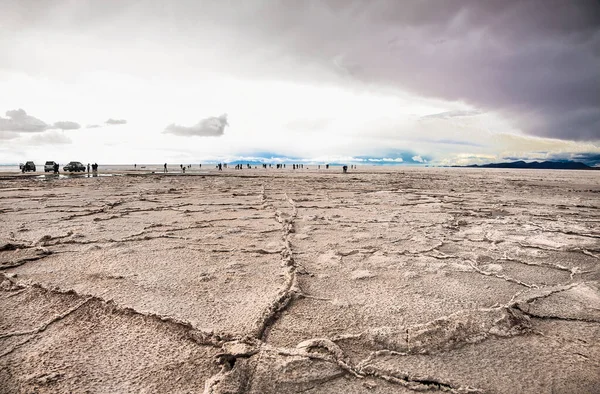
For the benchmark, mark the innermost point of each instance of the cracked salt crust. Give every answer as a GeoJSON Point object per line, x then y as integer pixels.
{"type": "Point", "coordinates": [267, 281]}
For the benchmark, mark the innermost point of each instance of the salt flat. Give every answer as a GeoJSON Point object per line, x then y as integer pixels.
{"type": "Point", "coordinates": [381, 280]}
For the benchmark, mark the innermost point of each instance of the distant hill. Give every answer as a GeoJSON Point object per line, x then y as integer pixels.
{"type": "Point", "coordinates": [544, 165]}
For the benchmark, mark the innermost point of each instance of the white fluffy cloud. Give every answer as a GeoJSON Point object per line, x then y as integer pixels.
{"type": "Point", "coordinates": [418, 159]}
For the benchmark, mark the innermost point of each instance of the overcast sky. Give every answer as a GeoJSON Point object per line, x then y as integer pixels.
{"type": "Point", "coordinates": [437, 82]}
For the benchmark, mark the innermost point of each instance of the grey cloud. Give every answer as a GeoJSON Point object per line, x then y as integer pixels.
{"type": "Point", "coordinates": [65, 125]}
{"type": "Point", "coordinates": [453, 114]}
{"type": "Point", "coordinates": [209, 127]}
{"type": "Point", "coordinates": [455, 142]}
{"type": "Point", "coordinates": [8, 135]}
{"type": "Point", "coordinates": [50, 138]}
{"type": "Point", "coordinates": [92, 126]}
{"type": "Point", "coordinates": [115, 121]}
{"type": "Point", "coordinates": [18, 121]}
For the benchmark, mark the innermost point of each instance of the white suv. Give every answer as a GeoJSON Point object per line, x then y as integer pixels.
{"type": "Point", "coordinates": [49, 166]}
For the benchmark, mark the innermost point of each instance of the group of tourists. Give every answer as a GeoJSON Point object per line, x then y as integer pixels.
{"type": "Point", "coordinates": [241, 166]}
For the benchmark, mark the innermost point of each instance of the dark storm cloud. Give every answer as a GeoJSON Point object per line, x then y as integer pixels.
{"type": "Point", "coordinates": [115, 121]}
{"type": "Point", "coordinates": [535, 61]}
{"type": "Point", "coordinates": [209, 127]}
{"type": "Point", "coordinates": [591, 159]}
{"type": "Point", "coordinates": [19, 121]}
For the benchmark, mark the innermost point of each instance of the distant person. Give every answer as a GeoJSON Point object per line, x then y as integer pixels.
{"type": "Point", "coordinates": [134, 166]}
{"type": "Point", "coordinates": [199, 165]}
{"type": "Point", "coordinates": [220, 167]}
{"type": "Point", "coordinates": [165, 170]}
{"type": "Point", "coordinates": [56, 168]}
{"type": "Point", "coordinates": [95, 167]}
{"type": "Point", "coordinates": [345, 169]}
{"type": "Point", "coordinates": [88, 168]}
{"type": "Point", "coordinates": [183, 169]}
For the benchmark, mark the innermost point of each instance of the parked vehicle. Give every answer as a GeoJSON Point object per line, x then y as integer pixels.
{"type": "Point", "coordinates": [74, 166]}
{"type": "Point", "coordinates": [29, 166]}
{"type": "Point", "coordinates": [49, 166]}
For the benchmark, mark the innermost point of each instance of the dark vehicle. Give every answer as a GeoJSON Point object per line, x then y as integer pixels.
{"type": "Point", "coordinates": [29, 166]}
{"type": "Point", "coordinates": [49, 166]}
{"type": "Point", "coordinates": [74, 166]}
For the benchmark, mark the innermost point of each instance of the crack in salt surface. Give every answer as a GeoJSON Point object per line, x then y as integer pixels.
{"type": "Point", "coordinates": [291, 288]}
{"type": "Point", "coordinates": [506, 278]}
{"type": "Point", "coordinates": [201, 337]}
{"type": "Point", "coordinates": [333, 353]}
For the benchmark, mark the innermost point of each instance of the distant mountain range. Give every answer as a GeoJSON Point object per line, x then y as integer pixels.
{"type": "Point", "coordinates": [544, 165]}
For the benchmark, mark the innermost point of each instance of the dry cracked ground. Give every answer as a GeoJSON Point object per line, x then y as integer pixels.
{"type": "Point", "coordinates": [265, 281]}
